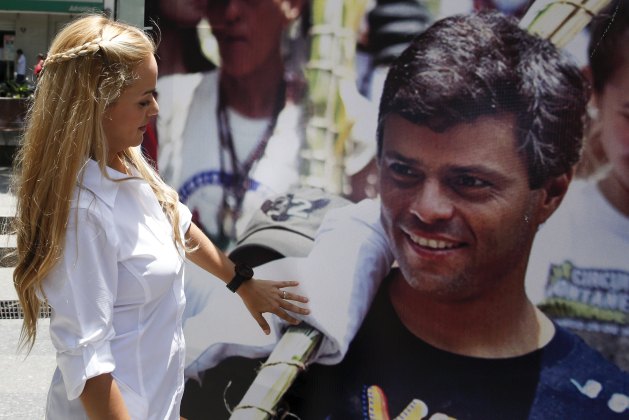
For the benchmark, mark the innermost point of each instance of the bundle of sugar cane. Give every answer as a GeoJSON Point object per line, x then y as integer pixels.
{"type": "Point", "coordinates": [560, 21]}
{"type": "Point", "coordinates": [333, 37]}
{"type": "Point", "coordinates": [289, 357]}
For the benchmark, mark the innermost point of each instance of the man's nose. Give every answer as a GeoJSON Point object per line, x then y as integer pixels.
{"type": "Point", "coordinates": [233, 9]}
{"type": "Point", "coordinates": [431, 203]}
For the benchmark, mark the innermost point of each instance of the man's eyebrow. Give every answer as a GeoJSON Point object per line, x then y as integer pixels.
{"type": "Point", "coordinates": [392, 154]}
{"type": "Point", "coordinates": [482, 170]}
{"type": "Point", "coordinates": [472, 168]}
{"type": "Point", "coordinates": [151, 91]}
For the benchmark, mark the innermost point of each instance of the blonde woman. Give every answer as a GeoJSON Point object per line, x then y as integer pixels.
{"type": "Point", "coordinates": [102, 239]}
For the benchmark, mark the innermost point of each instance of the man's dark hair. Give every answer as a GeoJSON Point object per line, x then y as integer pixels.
{"type": "Point", "coordinates": [19, 51]}
{"type": "Point", "coordinates": [609, 31]}
{"type": "Point", "coordinates": [467, 66]}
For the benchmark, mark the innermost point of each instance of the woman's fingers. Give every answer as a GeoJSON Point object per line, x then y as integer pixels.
{"type": "Point", "coordinates": [262, 322]}
{"type": "Point", "coordinates": [293, 296]}
{"type": "Point", "coordinates": [288, 295]}
{"type": "Point", "coordinates": [286, 317]}
{"type": "Point", "coordinates": [293, 308]}
{"type": "Point", "coordinates": [270, 298]}
{"type": "Point", "coordinates": [285, 296]}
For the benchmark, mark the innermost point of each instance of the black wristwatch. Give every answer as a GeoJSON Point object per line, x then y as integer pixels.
{"type": "Point", "coordinates": [243, 273]}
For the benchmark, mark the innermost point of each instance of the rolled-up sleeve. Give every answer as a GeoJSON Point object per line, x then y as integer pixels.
{"type": "Point", "coordinates": [82, 290]}
{"type": "Point", "coordinates": [185, 218]}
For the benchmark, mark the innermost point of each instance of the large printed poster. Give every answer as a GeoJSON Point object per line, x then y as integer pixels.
{"type": "Point", "coordinates": [271, 118]}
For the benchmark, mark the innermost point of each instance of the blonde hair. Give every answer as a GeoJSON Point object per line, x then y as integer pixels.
{"type": "Point", "coordinates": [90, 62]}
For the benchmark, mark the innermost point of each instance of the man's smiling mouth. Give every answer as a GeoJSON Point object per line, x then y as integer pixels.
{"type": "Point", "coordinates": [431, 243]}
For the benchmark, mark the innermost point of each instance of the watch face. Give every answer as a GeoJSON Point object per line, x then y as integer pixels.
{"type": "Point", "coordinates": [244, 271]}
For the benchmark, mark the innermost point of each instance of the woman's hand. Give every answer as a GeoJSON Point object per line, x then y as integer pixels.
{"type": "Point", "coordinates": [262, 296]}
{"type": "Point", "coordinates": [259, 295]}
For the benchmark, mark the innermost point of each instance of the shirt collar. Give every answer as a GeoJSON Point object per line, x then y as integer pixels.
{"type": "Point", "coordinates": [104, 188]}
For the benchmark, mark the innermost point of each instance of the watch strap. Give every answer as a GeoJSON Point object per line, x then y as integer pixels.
{"type": "Point", "coordinates": [239, 278]}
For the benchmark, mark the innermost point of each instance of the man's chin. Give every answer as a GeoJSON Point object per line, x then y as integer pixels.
{"type": "Point", "coordinates": [434, 283]}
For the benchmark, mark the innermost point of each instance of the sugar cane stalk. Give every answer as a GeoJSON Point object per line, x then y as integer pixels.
{"type": "Point", "coordinates": [289, 357]}
{"type": "Point", "coordinates": [560, 21]}
{"type": "Point", "coordinates": [333, 48]}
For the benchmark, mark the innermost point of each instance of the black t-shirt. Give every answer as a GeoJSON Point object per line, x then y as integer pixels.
{"type": "Point", "coordinates": [389, 370]}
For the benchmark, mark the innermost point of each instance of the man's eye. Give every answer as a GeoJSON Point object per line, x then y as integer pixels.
{"type": "Point", "coordinates": [400, 169]}
{"type": "Point", "coordinates": [470, 182]}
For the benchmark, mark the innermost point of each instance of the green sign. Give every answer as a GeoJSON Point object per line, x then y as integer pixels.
{"type": "Point", "coordinates": [51, 6]}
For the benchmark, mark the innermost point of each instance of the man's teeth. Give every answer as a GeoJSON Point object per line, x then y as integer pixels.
{"type": "Point", "coordinates": [432, 243]}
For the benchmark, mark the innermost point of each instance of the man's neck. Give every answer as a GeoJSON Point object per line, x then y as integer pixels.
{"type": "Point", "coordinates": [495, 326]}
{"type": "Point", "coordinates": [254, 95]}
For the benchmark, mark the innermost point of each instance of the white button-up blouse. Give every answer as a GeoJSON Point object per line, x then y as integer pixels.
{"type": "Point", "coordinates": [117, 299]}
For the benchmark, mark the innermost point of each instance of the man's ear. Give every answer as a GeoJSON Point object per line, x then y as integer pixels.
{"type": "Point", "coordinates": [553, 192]}
{"type": "Point", "coordinates": [292, 8]}
{"type": "Point", "coordinates": [587, 74]}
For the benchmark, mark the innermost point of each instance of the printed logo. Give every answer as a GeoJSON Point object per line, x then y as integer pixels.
{"type": "Point", "coordinates": [375, 405]}
{"type": "Point", "coordinates": [283, 208]}
{"type": "Point", "coordinates": [377, 408]}
{"type": "Point", "coordinates": [217, 179]}
{"type": "Point", "coordinates": [595, 299]}
{"type": "Point", "coordinates": [618, 403]}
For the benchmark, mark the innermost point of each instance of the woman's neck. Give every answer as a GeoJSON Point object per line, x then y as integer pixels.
{"type": "Point", "coordinates": [116, 162]}
{"type": "Point", "coordinates": [253, 95]}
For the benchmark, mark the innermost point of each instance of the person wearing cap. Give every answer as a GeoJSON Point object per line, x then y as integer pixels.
{"type": "Point", "coordinates": [480, 126]}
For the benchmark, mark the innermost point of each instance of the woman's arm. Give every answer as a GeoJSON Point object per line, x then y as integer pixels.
{"type": "Point", "coordinates": [102, 399]}
{"type": "Point", "coordinates": [259, 296]}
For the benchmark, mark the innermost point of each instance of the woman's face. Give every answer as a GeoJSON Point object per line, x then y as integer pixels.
{"type": "Point", "coordinates": [613, 106]}
{"type": "Point", "coordinates": [126, 119]}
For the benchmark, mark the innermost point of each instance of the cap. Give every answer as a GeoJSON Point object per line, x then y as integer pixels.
{"type": "Point", "coordinates": [288, 223]}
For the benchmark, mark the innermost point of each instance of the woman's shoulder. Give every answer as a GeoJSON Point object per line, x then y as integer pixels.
{"type": "Point", "coordinates": [94, 197]}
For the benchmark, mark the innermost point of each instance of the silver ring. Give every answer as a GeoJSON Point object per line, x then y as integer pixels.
{"type": "Point", "coordinates": [284, 294]}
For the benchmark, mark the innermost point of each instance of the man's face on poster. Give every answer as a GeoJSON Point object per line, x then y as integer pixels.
{"type": "Point", "coordinates": [456, 204]}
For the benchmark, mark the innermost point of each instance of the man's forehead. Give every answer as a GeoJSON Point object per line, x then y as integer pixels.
{"type": "Point", "coordinates": [500, 127]}
{"type": "Point", "coordinates": [487, 139]}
